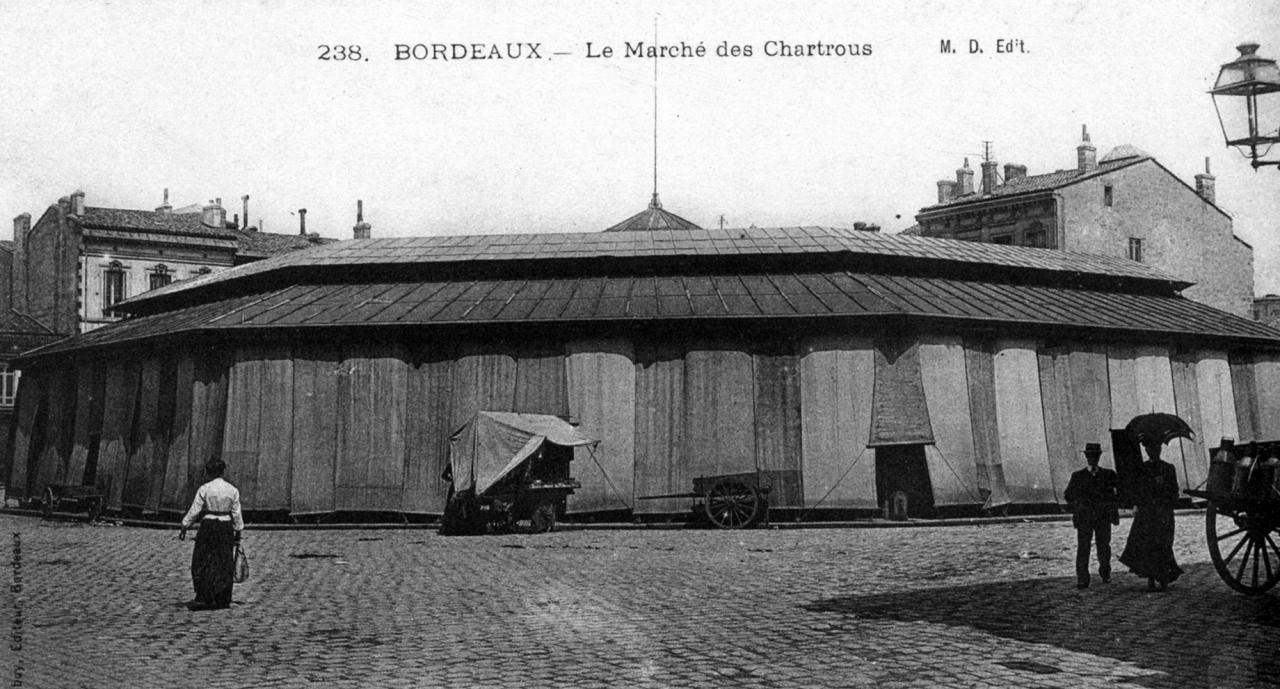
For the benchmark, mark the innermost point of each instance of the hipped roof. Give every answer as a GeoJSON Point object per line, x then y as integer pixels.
{"type": "Point", "coordinates": [580, 251]}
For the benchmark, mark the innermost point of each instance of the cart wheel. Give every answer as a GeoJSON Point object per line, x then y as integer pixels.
{"type": "Point", "coordinates": [733, 504]}
{"type": "Point", "coordinates": [543, 518]}
{"type": "Point", "coordinates": [1244, 548]}
{"type": "Point", "coordinates": [47, 502]}
{"type": "Point", "coordinates": [95, 509]}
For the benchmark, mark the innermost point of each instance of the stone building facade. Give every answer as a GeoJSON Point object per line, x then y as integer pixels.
{"type": "Point", "coordinates": [1125, 204]}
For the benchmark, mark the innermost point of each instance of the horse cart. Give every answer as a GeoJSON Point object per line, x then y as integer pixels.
{"type": "Point", "coordinates": [1242, 517]}
{"type": "Point", "coordinates": [509, 471]}
{"type": "Point", "coordinates": [729, 501]}
{"type": "Point", "coordinates": [58, 497]}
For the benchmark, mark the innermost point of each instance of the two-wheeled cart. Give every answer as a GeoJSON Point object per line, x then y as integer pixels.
{"type": "Point", "coordinates": [1242, 517]}
{"type": "Point", "coordinates": [729, 501]}
{"type": "Point", "coordinates": [59, 497]}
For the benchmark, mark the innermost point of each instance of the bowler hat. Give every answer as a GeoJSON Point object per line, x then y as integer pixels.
{"type": "Point", "coordinates": [1092, 448]}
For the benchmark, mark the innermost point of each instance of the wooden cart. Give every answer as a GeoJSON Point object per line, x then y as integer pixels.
{"type": "Point", "coordinates": [729, 501]}
{"type": "Point", "coordinates": [1242, 521]}
{"type": "Point", "coordinates": [58, 497]}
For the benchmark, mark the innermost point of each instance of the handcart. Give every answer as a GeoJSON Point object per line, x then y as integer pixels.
{"type": "Point", "coordinates": [59, 497]}
{"type": "Point", "coordinates": [509, 471]}
{"type": "Point", "coordinates": [1242, 517]}
{"type": "Point", "coordinates": [729, 501]}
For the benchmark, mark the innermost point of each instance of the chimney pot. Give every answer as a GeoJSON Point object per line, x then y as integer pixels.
{"type": "Point", "coordinates": [964, 180]}
{"type": "Point", "coordinates": [21, 226]}
{"type": "Point", "coordinates": [362, 228]}
{"type": "Point", "coordinates": [1086, 154]}
{"type": "Point", "coordinates": [165, 207]}
{"type": "Point", "coordinates": [1205, 183]}
{"type": "Point", "coordinates": [946, 190]}
{"type": "Point", "coordinates": [214, 215]}
{"type": "Point", "coordinates": [302, 221]}
{"type": "Point", "coordinates": [1013, 171]}
{"type": "Point", "coordinates": [245, 199]}
{"type": "Point", "coordinates": [77, 203]}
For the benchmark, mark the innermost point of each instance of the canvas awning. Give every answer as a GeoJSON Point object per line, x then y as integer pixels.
{"type": "Point", "coordinates": [491, 444]}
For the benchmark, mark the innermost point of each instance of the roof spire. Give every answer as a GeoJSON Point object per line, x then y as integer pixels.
{"type": "Point", "coordinates": [654, 203]}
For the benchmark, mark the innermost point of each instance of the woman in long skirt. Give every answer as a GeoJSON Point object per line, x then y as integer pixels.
{"type": "Point", "coordinates": [1149, 549]}
{"type": "Point", "coordinates": [217, 508]}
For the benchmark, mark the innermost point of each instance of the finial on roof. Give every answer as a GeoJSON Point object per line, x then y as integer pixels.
{"type": "Point", "coordinates": [655, 204]}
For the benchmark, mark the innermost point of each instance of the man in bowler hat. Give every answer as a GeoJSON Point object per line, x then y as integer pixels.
{"type": "Point", "coordinates": [1094, 499]}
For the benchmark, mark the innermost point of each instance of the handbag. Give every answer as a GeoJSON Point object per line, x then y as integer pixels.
{"type": "Point", "coordinates": [241, 572]}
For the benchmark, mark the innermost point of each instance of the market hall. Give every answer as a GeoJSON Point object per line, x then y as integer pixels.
{"type": "Point", "coordinates": [844, 366]}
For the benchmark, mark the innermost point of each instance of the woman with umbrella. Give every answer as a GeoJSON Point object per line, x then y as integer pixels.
{"type": "Point", "coordinates": [1149, 549]}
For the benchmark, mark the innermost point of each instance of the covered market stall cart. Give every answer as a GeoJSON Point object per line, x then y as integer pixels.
{"type": "Point", "coordinates": [505, 468]}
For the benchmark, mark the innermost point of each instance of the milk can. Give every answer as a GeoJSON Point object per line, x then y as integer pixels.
{"type": "Point", "coordinates": [1265, 479]}
{"type": "Point", "coordinates": [1244, 468]}
{"type": "Point", "coordinates": [1222, 467]}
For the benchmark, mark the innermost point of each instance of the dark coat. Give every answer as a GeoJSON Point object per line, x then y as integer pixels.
{"type": "Point", "coordinates": [1094, 499]}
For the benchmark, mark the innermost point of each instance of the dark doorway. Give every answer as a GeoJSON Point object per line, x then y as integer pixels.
{"type": "Point", "coordinates": [901, 472]}
{"type": "Point", "coordinates": [1128, 457]}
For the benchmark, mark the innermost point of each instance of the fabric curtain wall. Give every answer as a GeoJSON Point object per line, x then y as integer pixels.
{"type": "Point", "coordinates": [1244, 389]}
{"type": "Point", "coordinates": [1020, 422]}
{"type": "Point", "coordinates": [659, 467]}
{"type": "Point", "coordinates": [899, 414]}
{"type": "Point", "coordinates": [1186, 395]}
{"type": "Point", "coordinates": [316, 370]}
{"type": "Point", "coordinates": [208, 413]}
{"type": "Point", "coordinates": [484, 379]}
{"type": "Point", "coordinates": [953, 469]}
{"type": "Point", "coordinates": [30, 397]}
{"type": "Point", "coordinates": [90, 386]}
{"type": "Point", "coordinates": [119, 410]}
{"type": "Point", "coordinates": [1090, 400]}
{"type": "Point", "coordinates": [837, 375]}
{"type": "Point", "coordinates": [719, 433]}
{"type": "Point", "coordinates": [1266, 368]}
{"type": "Point", "coordinates": [979, 364]}
{"type": "Point", "coordinates": [1055, 391]}
{"type": "Point", "coordinates": [777, 426]}
{"type": "Point", "coordinates": [243, 428]}
{"type": "Point", "coordinates": [59, 420]}
{"type": "Point", "coordinates": [1217, 402]}
{"type": "Point", "coordinates": [178, 462]}
{"type": "Point", "coordinates": [275, 440]}
{"type": "Point", "coordinates": [144, 442]}
{"type": "Point", "coordinates": [602, 400]}
{"type": "Point", "coordinates": [372, 390]}
{"type": "Point", "coordinates": [428, 415]}
{"type": "Point", "coordinates": [541, 381]}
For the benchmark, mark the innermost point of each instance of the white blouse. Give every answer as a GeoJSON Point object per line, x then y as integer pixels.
{"type": "Point", "coordinates": [216, 496]}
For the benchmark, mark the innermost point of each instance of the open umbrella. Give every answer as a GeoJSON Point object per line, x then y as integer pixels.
{"type": "Point", "coordinates": [1159, 426]}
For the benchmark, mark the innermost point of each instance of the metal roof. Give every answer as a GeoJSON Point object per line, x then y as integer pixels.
{"type": "Point", "coordinates": [634, 298]}
{"type": "Point", "coordinates": [674, 244]}
{"type": "Point", "coordinates": [654, 218]}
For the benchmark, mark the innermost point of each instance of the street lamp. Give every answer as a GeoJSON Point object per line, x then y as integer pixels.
{"type": "Point", "coordinates": [1254, 129]}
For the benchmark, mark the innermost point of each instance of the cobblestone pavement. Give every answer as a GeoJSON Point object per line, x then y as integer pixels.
{"type": "Point", "coordinates": [962, 606]}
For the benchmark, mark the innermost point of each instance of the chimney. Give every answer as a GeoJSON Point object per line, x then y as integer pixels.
{"type": "Point", "coordinates": [989, 176]}
{"type": "Point", "coordinates": [1086, 154]}
{"type": "Point", "coordinates": [245, 199]}
{"type": "Point", "coordinates": [213, 215]}
{"type": "Point", "coordinates": [21, 226]}
{"type": "Point", "coordinates": [964, 180]}
{"type": "Point", "coordinates": [302, 221]}
{"type": "Point", "coordinates": [362, 228]}
{"type": "Point", "coordinates": [1013, 171]}
{"type": "Point", "coordinates": [165, 207]}
{"type": "Point", "coordinates": [77, 203]}
{"type": "Point", "coordinates": [946, 190]}
{"type": "Point", "coordinates": [1204, 184]}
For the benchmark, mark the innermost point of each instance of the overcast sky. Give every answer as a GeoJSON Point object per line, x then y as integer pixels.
{"type": "Point", "coordinates": [229, 98]}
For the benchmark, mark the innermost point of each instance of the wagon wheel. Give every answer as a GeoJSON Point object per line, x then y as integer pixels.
{"type": "Point", "coordinates": [543, 518]}
{"type": "Point", "coordinates": [733, 504]}
{"type": "Point", "coordinates": [1245, 548]}
{"type": "Point", "coordinates": [47, 502]}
